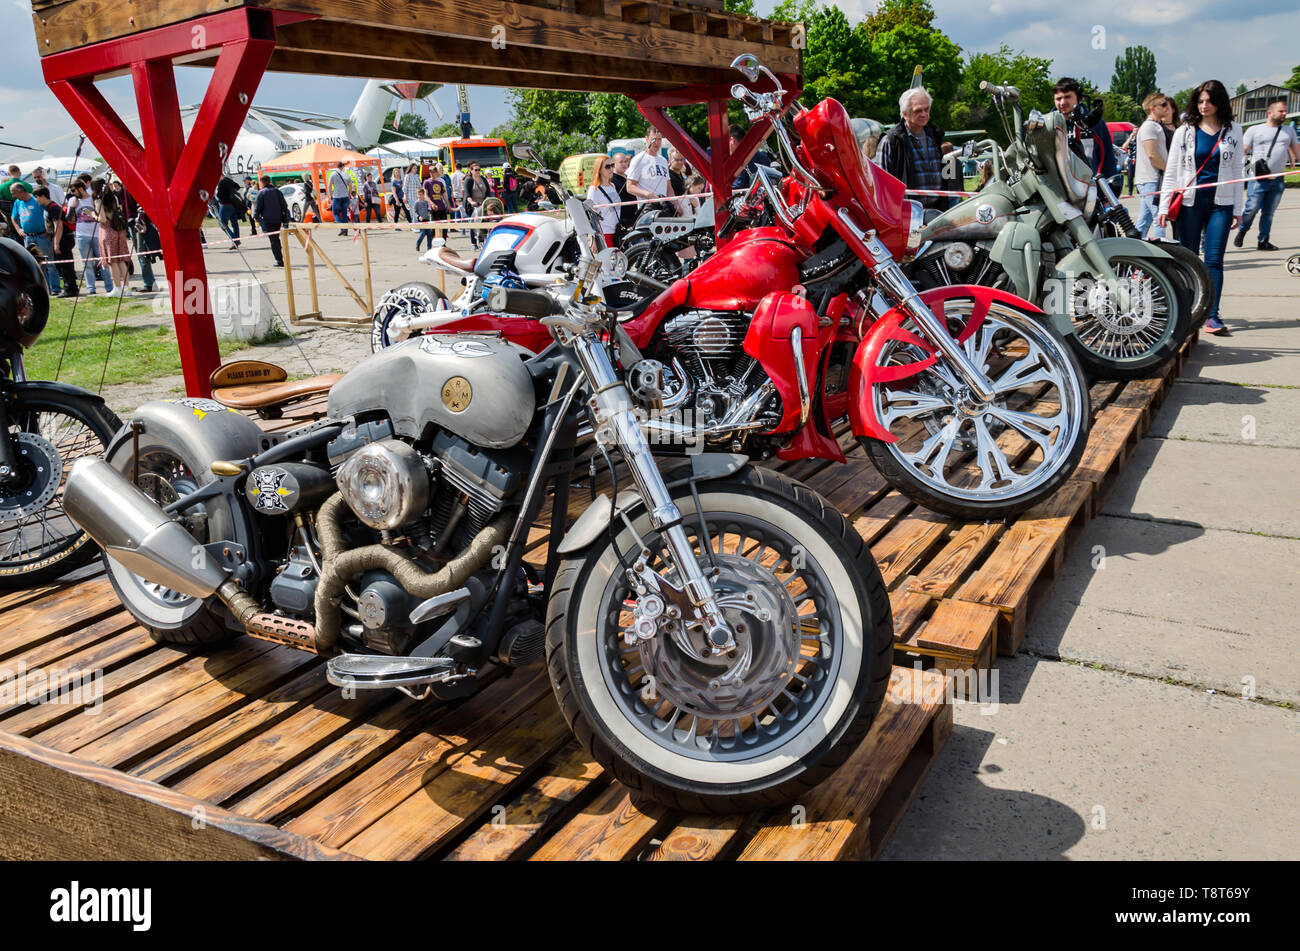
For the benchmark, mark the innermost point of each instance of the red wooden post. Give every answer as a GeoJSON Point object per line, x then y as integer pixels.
{"type": "Point", "coordinates": [720, 166]}
{"type": "Point", "coordinates": [169, 176]}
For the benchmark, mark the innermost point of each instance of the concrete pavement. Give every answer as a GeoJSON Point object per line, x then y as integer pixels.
{"type": "Point", "coordinates": [1152, 711]}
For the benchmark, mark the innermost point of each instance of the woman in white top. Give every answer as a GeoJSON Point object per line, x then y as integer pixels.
{"type": "Point", "coordinates": [601, 193]}
{"type": "Point", "coordinates": [1206, 151]}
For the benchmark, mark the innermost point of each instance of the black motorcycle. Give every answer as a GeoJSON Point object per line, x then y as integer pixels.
{"type": "Point", "coordinates": [44, 428]}
{"type": "Point", "coordinates": [716, 635]}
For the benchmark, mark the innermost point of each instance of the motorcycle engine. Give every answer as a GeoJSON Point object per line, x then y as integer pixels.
{"type": "Point", "coordinates": [707, 373]}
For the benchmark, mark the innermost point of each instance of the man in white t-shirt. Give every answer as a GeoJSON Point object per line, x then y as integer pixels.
{"type": "Point", "coordinates": [1273, 142]}
{"type": "Point", "coordinates": [647, 176]}
{"type": "Point", "coordinates": [1151, 156]}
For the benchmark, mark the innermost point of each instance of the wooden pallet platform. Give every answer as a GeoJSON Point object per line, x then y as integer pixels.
{"type": "Point", "coordinates": [246, 752]}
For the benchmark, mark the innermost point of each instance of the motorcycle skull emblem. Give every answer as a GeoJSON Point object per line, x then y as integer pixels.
{"type": "Point", "coordinates": [267, 491]}
{"type": "Point", "coordinates": [985, 214]}
{"type": "Point", "coordinates": [434, 344]}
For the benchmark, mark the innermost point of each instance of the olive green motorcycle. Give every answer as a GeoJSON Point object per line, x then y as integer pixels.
{"type": "Point", "coordinates": [1118, 301]}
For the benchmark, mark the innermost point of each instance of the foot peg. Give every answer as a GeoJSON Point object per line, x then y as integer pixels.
{"type": "Point", "coordinates": [374, 671]}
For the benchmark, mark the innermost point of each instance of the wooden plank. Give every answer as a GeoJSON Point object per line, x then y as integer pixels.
{"type": "Point", "coordinates": [960, 627]}
{"type": "Point", "coordinates": [71, 643]}
{"type": "Point", "coordinates": [233, 728]}
{"type": "Point", "coordinates": [851, 813]}
{"type": "Point", "coordinates": [525, 821]}
{"type": "Point", "coordinates": [83, 671]}
{"type": "Point", "coordinates": [699, 839]}
{"type": "Point", "coordinates": [276, 757]}
{"type": "Point", "coordinates": [161, 726]}
{"type": "Point", "coordinates": [909, 610]}
{"type": "Point", "coordinates": [12, 599]}
{"type": "Point", "coordinates": [31, 624]}
{"type": "Point", "coordinates": [71, 734]}
{"type": "Point", "coordinates": [85, 811]}
{"type": "Point", "coordinates": [353, 807]}
{"type": "Point", "coordinates": [611, 827]}
{"type": "Point", "coordinates": [1115, 434]}
{"type": "Point", "coordinates": [900, 549]}
{"type": "Point", "coordinates": [456, 797]}
{"type": "Point", "coordinates": [945, 571]}
{"type": "Point", "coordinates": [876, 520]}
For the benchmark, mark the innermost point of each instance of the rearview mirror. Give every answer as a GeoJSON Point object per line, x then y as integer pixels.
{"type": "Point", "coordinates": [747, 63]}
{"type": "Point", "coordinates": [525, 151]}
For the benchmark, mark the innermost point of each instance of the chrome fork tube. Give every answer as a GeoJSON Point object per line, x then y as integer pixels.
{"type": "Point", "coordinates": [613, 405]}
{"type": "Point", "coordinates": [903, 293]}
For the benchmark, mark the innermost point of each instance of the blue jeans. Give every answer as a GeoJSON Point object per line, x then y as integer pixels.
{"type": "Point", "coordinates": [230, 222]}
{"type": "Point", "coordinates": [88, 248]}
{"type": "Point", "coordinates": [1262, 197]}
{"type": "Point", "coordinates": [1149, 209]}
{"type": "Point", "coordinates": [1215, 221]}
{"type": "Point", "coordinates": [339, 206]}
{"type": "Point", "coordinates": [46, 244]}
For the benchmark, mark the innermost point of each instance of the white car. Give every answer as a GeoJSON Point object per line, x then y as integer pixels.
{"type": "Point", "coordinates": [296, 197]}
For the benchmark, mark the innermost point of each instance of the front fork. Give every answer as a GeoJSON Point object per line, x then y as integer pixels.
{"type": "Point", "coordinates": [612, 405]}
{"type": "Point", "coordinates": [903, 294]}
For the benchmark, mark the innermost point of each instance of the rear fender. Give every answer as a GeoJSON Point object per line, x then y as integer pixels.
{"type": "Point", "coordinates": [770, 341]}
{"type": "Point", "coordinates": [866, 374]}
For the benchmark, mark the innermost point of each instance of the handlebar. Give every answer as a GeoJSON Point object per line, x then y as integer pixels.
{"type": "Point", "coordinates": [529, 303]}
{"type": "Point", "coordinates": [1007, 93]}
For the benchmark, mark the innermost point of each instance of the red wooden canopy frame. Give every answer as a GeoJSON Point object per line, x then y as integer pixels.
{"type": "Point", "coordinates": [172, 177]}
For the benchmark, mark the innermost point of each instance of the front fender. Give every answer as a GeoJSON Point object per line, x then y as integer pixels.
{"type": "Point", "coordinates": [1018, 250]}
{"type": "Point", "coordinates": [593, 522]}
{"type": "Point", "coordinates": [1076, 261]}
{"type": "Point", "coordinates": [866, 373]}
{"type": "Point", "coordinates": [47, 389]}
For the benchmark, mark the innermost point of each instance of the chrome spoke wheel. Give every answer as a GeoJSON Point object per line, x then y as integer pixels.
{"type": "Point", "coordinates": [1116, 329]}
{"type": "Point", "coordinates": [743, 703]}
{"type": "Point", "coordinates": [974, 451]}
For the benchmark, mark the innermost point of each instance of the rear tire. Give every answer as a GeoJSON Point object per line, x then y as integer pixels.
{"type": "Point", "coordinates": [170, 617]}
{"type": "Point", "coordinates": [1194, 276]}
{"type": "Point", "coordinates": [814, 719]}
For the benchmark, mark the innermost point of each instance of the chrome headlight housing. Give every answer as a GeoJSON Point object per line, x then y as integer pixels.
{"type": "Point", "coordinates": [916, 224]}
{"type": "Point", "coordinates": [385, 484]}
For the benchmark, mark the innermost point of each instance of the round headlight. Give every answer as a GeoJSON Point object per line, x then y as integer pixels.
{"type": "Point", "coordinates": [915, 226]}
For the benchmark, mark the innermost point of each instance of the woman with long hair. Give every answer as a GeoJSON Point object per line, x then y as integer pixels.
{"type": "Point", "coordinates": [604, 192]}
{"type": "Point", "coordinates": [114, 243]}
{"type": "Point", "coordinates": [1204, 154]}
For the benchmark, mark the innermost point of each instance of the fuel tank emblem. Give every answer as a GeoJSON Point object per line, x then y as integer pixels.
{"type": "Point", "coordinates": [456, 394]}
{"type": "Point", "coordinates": [984, 214]}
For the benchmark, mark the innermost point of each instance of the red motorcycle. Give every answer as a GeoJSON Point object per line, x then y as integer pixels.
{"type": "Point", "coordinates": [964, 397]}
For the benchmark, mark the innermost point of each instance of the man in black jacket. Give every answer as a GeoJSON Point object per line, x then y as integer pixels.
{"type": "Point", "coordinates": [912, 151]}
{"type": "Point", "coordinates": [271, 211]}
{"type": "Point", "coordinates": [230, 208]}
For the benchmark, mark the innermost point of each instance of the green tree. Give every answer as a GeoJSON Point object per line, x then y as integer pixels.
{"type": "Point", "coordinates": [1241, 88]}
{"type": "Point", "coordinates": [744, 8]}
{"type": "Point", "coordinates": [411, 125]}
{"type": "Point", "coordinates": [1183, 99]}
{"type": "Point", "coordinates": [1135, 73]}
{"type": "Point", "coordinates": [895, 13]}
{"type": "Point", "coordinates": [972, 107]}
{"type": "Point", "coordinates": [1294, 81]}
{"type": "Point", "coordinates": [1121, 108]}
{"type": "Point", "coordinates": [897, 51]}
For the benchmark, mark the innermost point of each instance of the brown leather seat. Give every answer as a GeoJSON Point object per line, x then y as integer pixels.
{"type": "Point", "coordinates": [263, 395]}
{"type": "Point", "coordinates": [264, 387]}
{"type": "Point", "coordinates": [455, 260]}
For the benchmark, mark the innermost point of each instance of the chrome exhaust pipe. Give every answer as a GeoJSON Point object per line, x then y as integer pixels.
{"type": "Point", "coordinates": [134, 531]}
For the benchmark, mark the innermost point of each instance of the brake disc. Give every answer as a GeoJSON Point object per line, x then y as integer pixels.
{"type": "Point", "coordinates": [40, 472]}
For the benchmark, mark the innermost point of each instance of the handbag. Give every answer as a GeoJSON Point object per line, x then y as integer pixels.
{"type": "Point", "coordinates": [1176, 203]}
{"type": "Point", "coordinates": [1261, 164]}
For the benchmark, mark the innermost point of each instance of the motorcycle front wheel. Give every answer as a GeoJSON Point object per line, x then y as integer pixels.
{"type": "Point", "coordinates": [751, 728]}
{"type": "Point", "coordinates": [47, 434]}
{"type": "Point", "coordinates": [1114, 343]}
{"type": "Point", "coordinates": [1191, 271]}
{"type": "Point", "coordinates": [408, 300]}
{"type": "Point", "coordinates": [978, 461]}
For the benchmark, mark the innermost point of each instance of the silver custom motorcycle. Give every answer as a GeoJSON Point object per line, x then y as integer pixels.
{"type": "Point", "coordinates": [716, 635]}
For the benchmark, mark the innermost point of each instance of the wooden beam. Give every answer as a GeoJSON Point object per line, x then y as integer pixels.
{"type": "Point", "coordinates": [77, 23]}
{"type": "Point", "coordinates": [339, 65]}
{"type": "Point", "coordinates": [57, 806]}
{"type": "Point", "coordinates": [318, 37]}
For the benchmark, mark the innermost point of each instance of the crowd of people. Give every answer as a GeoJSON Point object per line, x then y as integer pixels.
{"type": "Point", "coordinates": [96, 217]}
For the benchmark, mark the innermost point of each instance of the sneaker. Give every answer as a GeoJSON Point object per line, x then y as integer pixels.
{"type": "Point", "coordinates": [1267, 246]}
{"type": "Point", "coordinates": [1215, 326]}
{"type": "Point", "coordinates": [1238, 239]}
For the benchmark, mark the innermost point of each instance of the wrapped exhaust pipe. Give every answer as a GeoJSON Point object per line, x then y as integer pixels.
{"type": "Point", "coordinates": [135, 532]}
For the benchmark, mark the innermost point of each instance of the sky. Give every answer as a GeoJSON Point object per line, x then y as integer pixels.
{"type": "Point", "coordinates": [1252, 42]}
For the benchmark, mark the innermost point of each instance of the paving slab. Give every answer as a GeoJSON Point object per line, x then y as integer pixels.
{"type": "Point", "coordinates": [1249, 488]}
{"type": "Point", "coordinates": [1092, 764]}
{"type": "Point", "coordinates": [1140, 596]}
{"type": "Point", "coordinates": [1238, 415]}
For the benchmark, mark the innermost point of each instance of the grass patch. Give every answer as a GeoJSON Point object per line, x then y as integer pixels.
{"type": "Point", "coordinates": [139, 353]}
